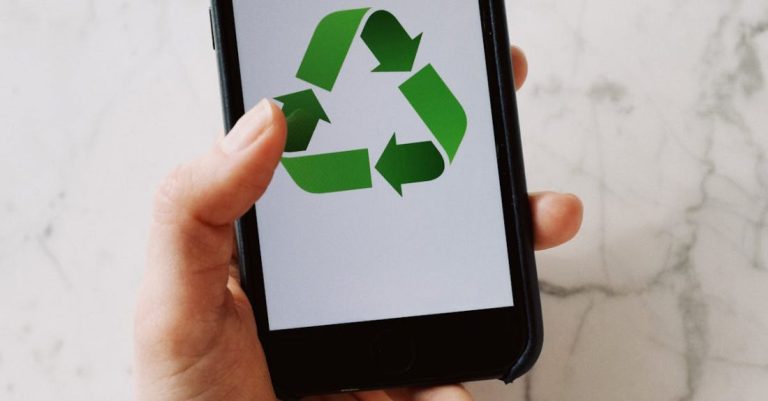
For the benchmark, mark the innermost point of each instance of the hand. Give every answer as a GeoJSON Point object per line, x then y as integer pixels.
{"type": "Point", "coordinates": [195, 331]}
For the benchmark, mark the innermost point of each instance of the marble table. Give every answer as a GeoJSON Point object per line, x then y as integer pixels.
{"type": "Point", "coordinates": [655, 112]}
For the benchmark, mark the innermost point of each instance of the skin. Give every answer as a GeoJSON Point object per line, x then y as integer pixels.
{"type": "Point", "coordinates": [195, 334]}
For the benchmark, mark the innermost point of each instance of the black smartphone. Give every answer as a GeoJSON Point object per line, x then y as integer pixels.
{"type": "Point", "coordinates": [394, 244]}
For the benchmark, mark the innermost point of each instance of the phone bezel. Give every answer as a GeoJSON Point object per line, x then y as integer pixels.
{"type": "Point", "coordinates": [498, 343]}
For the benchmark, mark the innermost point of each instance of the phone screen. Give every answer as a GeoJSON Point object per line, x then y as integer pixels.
{"type": "Point", "coordinates": [387, 202]}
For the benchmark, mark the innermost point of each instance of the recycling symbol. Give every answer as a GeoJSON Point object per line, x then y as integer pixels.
{"type": "Point", "coordinates": [425, 90]}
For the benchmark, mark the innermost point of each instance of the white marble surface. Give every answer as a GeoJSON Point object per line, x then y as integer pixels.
{"type": "Point", "coordinates": [655, 112]}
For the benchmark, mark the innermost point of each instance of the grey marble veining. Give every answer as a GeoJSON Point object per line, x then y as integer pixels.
{"type": "Point", "coordinates": [655, 113]}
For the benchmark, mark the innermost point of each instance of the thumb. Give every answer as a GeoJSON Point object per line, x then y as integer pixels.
{"type": "Point", "coordinates": [222, 185]}
{"type": "Point", "coordinates": [191, 240]}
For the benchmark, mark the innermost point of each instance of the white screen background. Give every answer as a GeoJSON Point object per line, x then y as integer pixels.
{"type": "Point", "coordinates": [371, 254]}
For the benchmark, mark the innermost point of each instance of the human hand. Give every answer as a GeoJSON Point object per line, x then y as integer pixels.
{"type": "Point", "coordinates": [195, 333]}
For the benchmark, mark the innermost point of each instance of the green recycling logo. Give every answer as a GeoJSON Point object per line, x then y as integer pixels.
{"type": "Point", "coordinates": [425, 90]}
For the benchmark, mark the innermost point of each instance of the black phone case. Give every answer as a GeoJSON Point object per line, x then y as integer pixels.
{"type": "Point", "coordinates": [505, 115]}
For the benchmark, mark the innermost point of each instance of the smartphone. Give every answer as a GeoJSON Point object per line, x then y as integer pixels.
{"type": "Point", "coordinates": [394, 244]}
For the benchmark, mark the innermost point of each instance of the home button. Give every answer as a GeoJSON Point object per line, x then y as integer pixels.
{"type": "Point", "coordinates": [393, 351]}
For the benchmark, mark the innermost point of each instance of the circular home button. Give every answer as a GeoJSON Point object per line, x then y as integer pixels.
{"type": "Point", "coordinates": [393, 351]}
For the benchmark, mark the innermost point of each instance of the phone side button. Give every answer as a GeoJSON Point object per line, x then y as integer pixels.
{"type": "Point", "coordinates": [210, 20]}
{"type": "Point", "coordinates": [394, 352]}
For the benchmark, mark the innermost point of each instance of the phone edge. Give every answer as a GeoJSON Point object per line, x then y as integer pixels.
{"type": "Point", "coordinates": [521, 205]}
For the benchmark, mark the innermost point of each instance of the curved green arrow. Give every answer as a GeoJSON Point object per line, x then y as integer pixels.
{"type": "Point", "coordinates": [438, 108]}
{"type": "Point", "coordinates": [426, 91]}
{"type": "Point", "coordinates": [389, 42]}
{"type": "Point", "coordinates": [329, 46]}
{"type": "Point", "coordinates": [302, 113]}
{"type": "Point", "coordinates": [330, 172]}
{"type": "Point", "coordinates": [410, 163]}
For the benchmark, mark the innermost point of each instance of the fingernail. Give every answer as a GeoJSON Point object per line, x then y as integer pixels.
{"type": "Point", "coordinates": [248, 129]}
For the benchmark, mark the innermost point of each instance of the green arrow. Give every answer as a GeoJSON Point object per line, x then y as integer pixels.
{"type": "Point", "coordinates": [409, 163]}
{"type": "Point", "coordinates": [330, 172]}
{"type": "Point", "coordinates": [438, 108]}
{"type": "Point", "coordinates": [302, 112]}
{"type": "Point", "coordinates": [389, 42]}
{"type": "Point", "coordinates": [329, 46]}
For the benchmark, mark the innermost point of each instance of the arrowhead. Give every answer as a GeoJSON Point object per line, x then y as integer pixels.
{"type": "Point", "coordinates": [388, 167]}
{"type": "Point", "coordinates": [304, 101]}
{"type": "Point", "coordinates": [302, 112]}
{"type": "Point", "coordinates": [403, 60]}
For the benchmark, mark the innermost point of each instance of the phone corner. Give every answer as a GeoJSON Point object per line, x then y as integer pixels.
{"type": "Point", "coordinates": [526, 361]}
{"type": "Point", "coordinates": [531, 350]}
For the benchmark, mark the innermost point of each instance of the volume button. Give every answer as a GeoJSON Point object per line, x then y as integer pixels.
{"type": "Point", "coordinates": [213, 35]}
